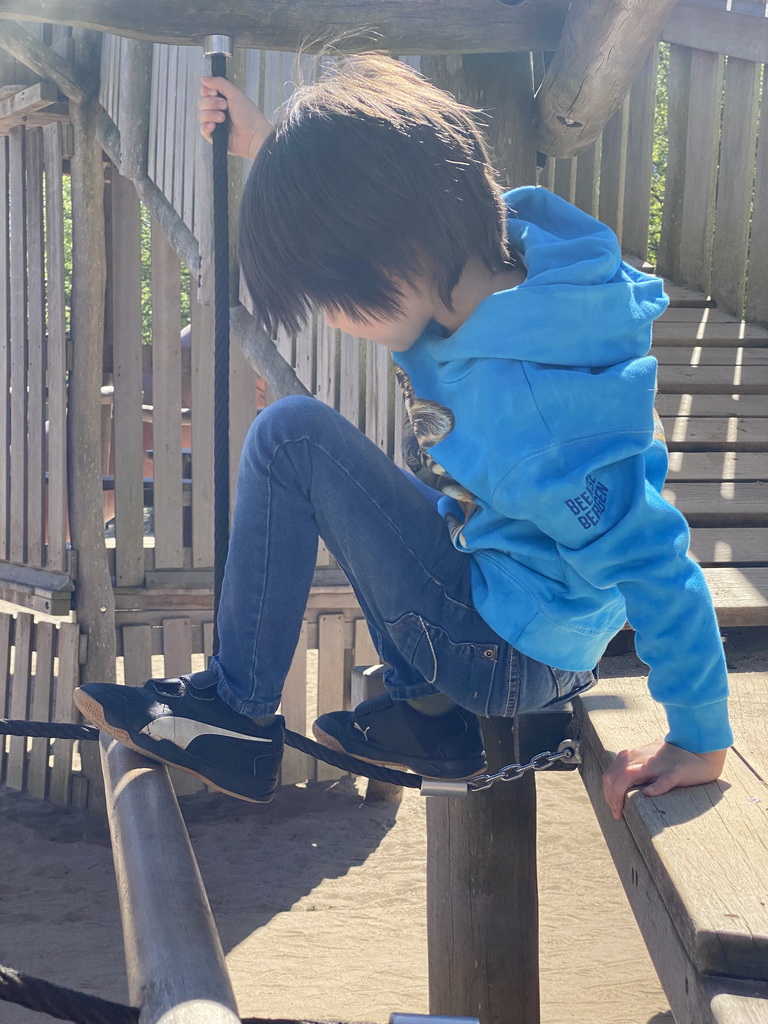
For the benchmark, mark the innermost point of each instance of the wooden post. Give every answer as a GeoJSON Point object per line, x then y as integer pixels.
{"type": "Point", "coordinates": [176, 968]}
{"type": "Point", "coordinates": [482, 896]}
{"type": "Point", "coordinates": [95, 598]}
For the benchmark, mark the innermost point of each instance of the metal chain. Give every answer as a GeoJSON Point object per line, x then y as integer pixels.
{"type": "Point", "coordinates": [568, 751]}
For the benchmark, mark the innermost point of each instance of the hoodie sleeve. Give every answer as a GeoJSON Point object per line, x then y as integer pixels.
{"type": "Point", "coordinates": [614, 529]}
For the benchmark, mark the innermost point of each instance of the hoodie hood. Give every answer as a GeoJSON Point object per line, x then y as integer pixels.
{"type": "Point", "coordinates": [563, 249]}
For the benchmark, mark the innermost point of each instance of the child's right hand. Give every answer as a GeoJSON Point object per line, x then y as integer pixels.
{"type": "Point", "coordinates": [248, 127]}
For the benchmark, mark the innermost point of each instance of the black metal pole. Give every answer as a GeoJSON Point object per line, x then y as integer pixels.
{"type": "Point", "coordinates": [218, 48]}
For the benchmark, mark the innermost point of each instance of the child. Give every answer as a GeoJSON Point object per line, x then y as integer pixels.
{"type": "Point", "coordinates": [493, 580]}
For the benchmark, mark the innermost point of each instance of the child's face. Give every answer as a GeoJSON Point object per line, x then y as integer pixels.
{"type": "Point", "coordinates": [397, 333]}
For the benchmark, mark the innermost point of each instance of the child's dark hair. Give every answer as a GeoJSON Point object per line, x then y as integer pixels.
{"type": "Point", "coordinates": [371, 176]}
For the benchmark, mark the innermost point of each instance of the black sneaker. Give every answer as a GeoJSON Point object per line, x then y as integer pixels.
{"type": "Point", "coordinates": [188, 726]}
{"type": "Point", "coordinates": [391, 732]}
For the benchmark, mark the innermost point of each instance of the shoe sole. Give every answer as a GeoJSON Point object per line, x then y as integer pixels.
{"type": "Point", "coordinates": [95, 712]}
{"type": "Point", "coordinates": [333, 744]}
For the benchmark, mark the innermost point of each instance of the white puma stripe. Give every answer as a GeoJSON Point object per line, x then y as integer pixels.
{"type": "Point", "coordinates": [182, 731]}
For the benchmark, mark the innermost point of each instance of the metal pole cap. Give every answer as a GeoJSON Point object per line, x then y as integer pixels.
{"type": "Point", "coordinates": [218, 44]}
{"type": "Point", "coordinates": [429, 1018]}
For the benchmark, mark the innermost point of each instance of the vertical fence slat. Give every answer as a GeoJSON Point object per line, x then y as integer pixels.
{"type": "Point", "coordinates": [177, 653]}
{"type": "Point", "coordinates": [679, 87]}
{"type": "Point", "coordinates": [128, 419]}
{"type": "Point", "coordinates": [36, 346]}
{"type": "Point", "coordinates": [167, 114]}
{"type": "Point", "coordinates": [613, 166]}
{"type": "Point", "coordinates": [40, 710]}
{"type": "Point", "coordinates": [698, 209]}
{"type": "Point", "coordinates": [202, 434]}
{"type": "Point", "coordinates": [757, 285]}
{"type": "Point", "coordinates": [6, 630]}
{"type": "Point", "coordinates": [330, 676]}
{"type": "Point", "coordinates": [378, 418]}
{"type": "Point", "coordinates": [153, 116]}
{"type": "Point", "coordinates": [364, 653]}
{"type": "Point", "coordinates": [565, 181]}
{"type": "Point", "coordinates": [350, 379]}
{"type": "Point", "coordinates": [242, 411]}
{"type": "Point", "coordinates": [191, 133]}
{"type": "Point", "coordinates": [588, 178]}
{"type": "Point", "coordinates": [64, 710]}
{"type": "Point", "coordinates": [296, 766]}
{"type": "Point", "coordinates": [166, 399]}
{"type": "Point", "coordinates": [5, 349]}
{"type": "Point", "coordinates": [734, 186]}
{"type": "Point", "coordinates": [22, 655]}
{"type": "Point", "coordinates": [180, 125]}
{"type": "Point", "coordinates": [56, 350]}
{"type": "Point", "coordinates": [637, 211]}
{"type": "Point", "coordinates": [161, 58]}
{"type": "Point", "coordinates": [327, 363]}
{"type": "Point", "coordinates": [305, 355]}
{"type": "Point", "coordinates": [137, 654]}
{"type": "Point", "coordinates": [18, 303]}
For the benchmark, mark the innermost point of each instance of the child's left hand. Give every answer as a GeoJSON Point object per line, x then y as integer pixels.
{"type": "Point", "coordinates": [664, 766]}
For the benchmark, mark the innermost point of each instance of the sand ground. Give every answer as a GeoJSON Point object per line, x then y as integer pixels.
{"type": "Point", "coordinates": [320, 901]}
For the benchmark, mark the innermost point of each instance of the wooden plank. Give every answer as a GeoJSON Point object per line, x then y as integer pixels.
{"type": "Point", "coordinates": [64, 710]}
{"type": "Point", "coordinates": [153, 117]}
{"type": "Point", "coordinates": [693, 315]}
{"type": "Point", "coordinates": [36, 377]}
{"type": "Point", "coordinates": [181, 121]}
{"type": "Point", "coordinates": [191, 131]}
{"type": "Point", "coordinates": [201, 343]}
{"type": "Point", "coordinates": [711, 355]}
{"type": "Point", "coordinates": [720, 466]}
{"type": "Point", "coordinates": [379, 389]}
{"type": "Point", "coordinates": [719, 31]}
{"type": "Point", "coordinates": [6, 624]}
{"type": "Point", "coordinates": [698, 211]}
{"type": "Point", "coordinates": [749, 711]}
{"type": "Point", "coordinates": [328, 358]}
{"type": "Point", "coordinates": [20, 694]}
{"type": "Point", "coordinates": [296, 766]}
{"type": "Point", "coordinates": [18, 287]}
{"type": "Point", "coordinates": [717, 433]}
{"type": "Point", "coordinates": [166, 373]}
{"type": "Point", "coordinates": [242, 411]}
{"type": "Point", "coordinates": [694, 999]}
{"type": "Point", "coordinates": [716, 333]}
{"type": "Point", "coordinates": [306, 355]}
{"type": "Point", "coordinates": [565, 179]}
{"type": "Point", "coordinates": [740, 596]}
{"type": "Point", "coordinates": [724, 546]}
{"type": "Point", "coordinates": [331, 682]}
{"type": "Point", "coordinates": [177, 655]}
{"type": "Point", "coordinates": [364, 652]}
{"type": "Point", "coordinates": [40, 709]}
{"type": "Point", "coordinates": [713, 380]}
{"type": "Point", "coordinates": [690, 834]}
{"type": "Point", "coordinates": [56, 557]}
{"type": "Point", "coordinates": [726, 503]}
{"type": "Point", "coordinates": [128, 420]}
{"type": "Point", "coordinates": [5, 349]}
{"type": "Point", "coordinates": [639, 161]}
{"type": "Point", "coordinates": [678, 91]}
{"type": "Point", "coordinates": [587, 178]}
{"type": "Point", "coordinates": [351, 400]}
{"type": "Point", "coordinates": [688, 406]}
{"type": "Point", "coordinates": [734, 190]}
{"type": "Point", "coordinates": [756, 307]}
{"type": "Point", "coordinates": [15, 110]}
{"type": "Point", "coordinates": [137, 654]}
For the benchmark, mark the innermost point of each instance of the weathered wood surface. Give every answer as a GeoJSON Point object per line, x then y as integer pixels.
{"type": "Point", "coordinates": [482, 896]}
{"type": "Point", "coordinates": [646, 847]}
{"type": "Point", "coordinates": [603, 46]}
{"type": "Point", "coordinates": [404, 26]}
{"type": "Point", "coordinates": [52, 67]}
{"type": "Point", "coordinates": [706, 847]}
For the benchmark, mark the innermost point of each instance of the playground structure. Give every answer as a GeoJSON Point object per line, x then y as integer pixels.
{"type": "Point", "coordinates": [143, 598]}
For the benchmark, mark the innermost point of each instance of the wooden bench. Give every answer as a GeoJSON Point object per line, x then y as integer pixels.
{"type": "Point", "coordinates": [694, 863]}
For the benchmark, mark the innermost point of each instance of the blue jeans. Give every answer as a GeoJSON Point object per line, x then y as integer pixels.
{"type": "Point", "coordinates": [305, 471]}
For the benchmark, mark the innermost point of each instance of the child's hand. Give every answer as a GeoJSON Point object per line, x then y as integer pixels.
{"type": "Point", "coordinates": [248, 128]}
{"type": "Point", "coordinates": [664, 766]}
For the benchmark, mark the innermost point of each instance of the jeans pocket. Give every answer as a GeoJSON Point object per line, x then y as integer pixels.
{"type": "Point", "coordinates": [462, 669]}
{"type": "Point", "coordinates": [571, 684]}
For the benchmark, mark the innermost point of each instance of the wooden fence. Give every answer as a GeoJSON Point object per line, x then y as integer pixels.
{"type": "Point", "coordinates": [713, 193]}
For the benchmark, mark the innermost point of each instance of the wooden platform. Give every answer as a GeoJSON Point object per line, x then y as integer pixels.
{"type": "Point", "coordinates": [694, 863]}
{"type": "Point", "coordinates": [713, 400]}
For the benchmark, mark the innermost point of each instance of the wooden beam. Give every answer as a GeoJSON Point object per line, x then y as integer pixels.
{"type": "Point", "coordinates": [47, 63]}
{"type": "Point", "coordinates": [261, 352]}
{"type": "Point", "coordinates": [176, 968]}
{"type": "Point", "coordinates": [719, 31]}
{"type": "Point", "coordinates": [404, 26]}
{"type": "Point", "coordinates": [603, 45]}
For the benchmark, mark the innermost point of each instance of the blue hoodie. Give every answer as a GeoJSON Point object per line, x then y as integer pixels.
{"type": "Point", "coordinates": [537, 415]}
